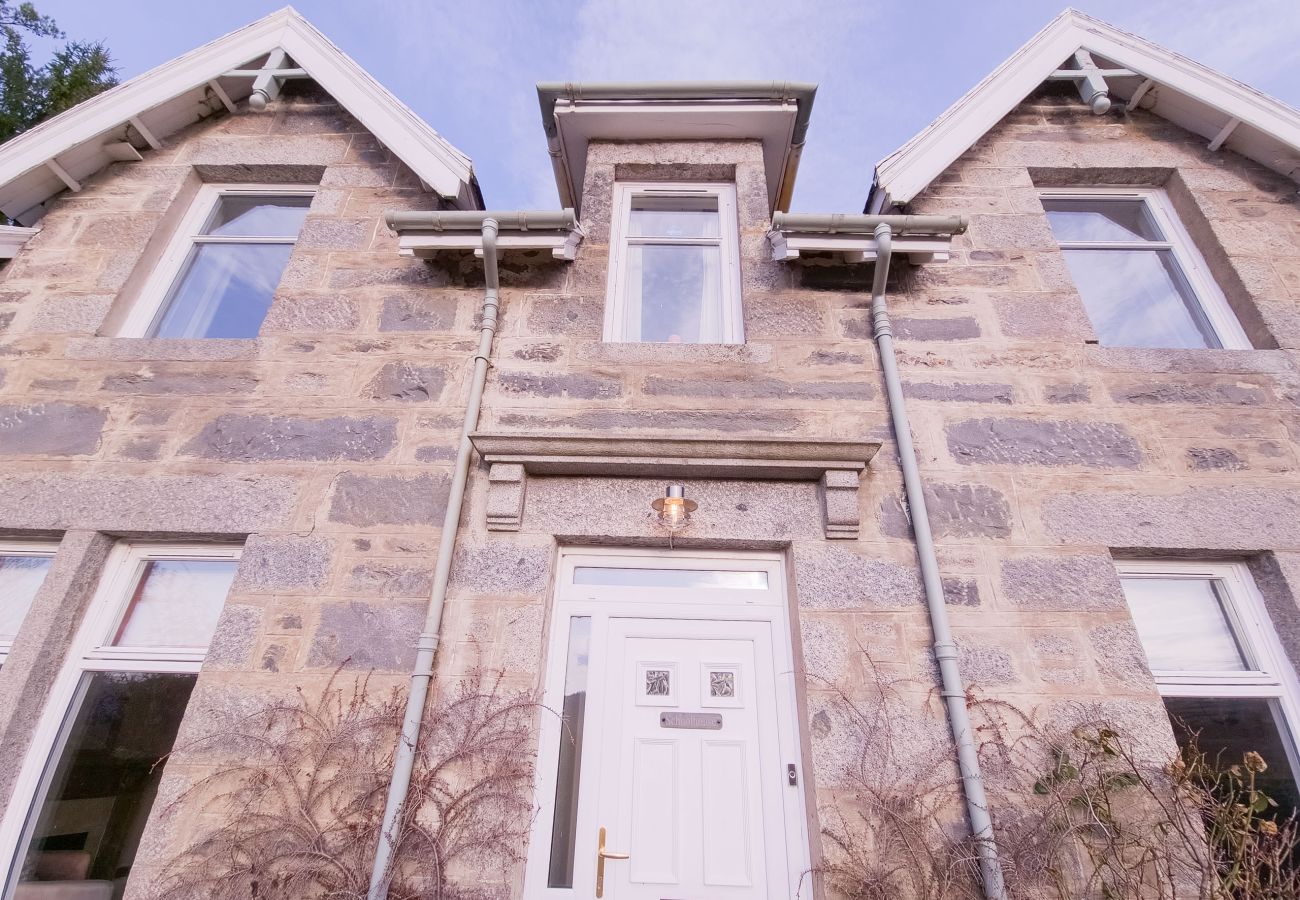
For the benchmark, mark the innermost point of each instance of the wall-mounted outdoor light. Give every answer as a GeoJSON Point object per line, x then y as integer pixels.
{"type": "Point", "coordinates": [673, 509]}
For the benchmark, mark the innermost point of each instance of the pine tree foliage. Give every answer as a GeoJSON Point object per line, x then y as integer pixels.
{"type": "Point", "coordinates": [29, 93]}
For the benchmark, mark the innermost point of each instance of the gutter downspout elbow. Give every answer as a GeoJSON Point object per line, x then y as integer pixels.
{"type": "Point", "coordinates": [945, 649]}
{"type": "Point", "coordinates": [427, 645]}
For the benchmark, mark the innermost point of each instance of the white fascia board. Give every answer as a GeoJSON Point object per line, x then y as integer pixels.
{"type": "Point", "coordinates": [446, 169]}
{"type": "Point", "coordinates": [910, 169]}
{"type": "Point", "coordinates": [12, 239]}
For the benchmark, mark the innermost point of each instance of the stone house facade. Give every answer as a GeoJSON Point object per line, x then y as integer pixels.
{"type": "Point", "coordinates": [288, 486]}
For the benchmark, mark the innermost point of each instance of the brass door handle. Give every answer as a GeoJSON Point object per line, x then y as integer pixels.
{"type": "Point", "coordinates": [601, 855]}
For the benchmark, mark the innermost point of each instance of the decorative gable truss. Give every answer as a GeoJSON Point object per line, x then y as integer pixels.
{"type": "Point", "coordinates": [252, 63]}
{"type": "Point", "coordinates": [1109, 66]}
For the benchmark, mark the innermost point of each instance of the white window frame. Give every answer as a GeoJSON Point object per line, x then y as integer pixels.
{"type": "Point", "coordinates": [91, 651]}
{"type": "Point", "coordinates": [148, 308]}
{"type": "Point", "coordinates": [617, 311]}
{"type": "Point", "coordinates": [1205, 290]}
{"type": "Point", "coordinates": [1272, 676]}
{"type": "Point", "coordinates": [23, 548]}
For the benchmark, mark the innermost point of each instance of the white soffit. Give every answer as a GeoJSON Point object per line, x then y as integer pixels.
{"type": "Point", "coordinates": [131, 119]}
{"type": "Point", "coordinates": [580, 122]}
{"type": "Point", "coordinates": [1174, 87]}
{"type": "Point", "coordinates": [12, 239]}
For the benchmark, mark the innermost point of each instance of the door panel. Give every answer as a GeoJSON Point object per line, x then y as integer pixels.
{"type": "Point", "coordinates": [691, 773]}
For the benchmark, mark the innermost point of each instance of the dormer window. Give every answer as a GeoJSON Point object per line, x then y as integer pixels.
{"type": "Point", "coordinates": [674, 265]}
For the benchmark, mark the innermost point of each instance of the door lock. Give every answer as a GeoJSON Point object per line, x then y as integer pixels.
{"type": "Point", "coordinates": [601, 855]}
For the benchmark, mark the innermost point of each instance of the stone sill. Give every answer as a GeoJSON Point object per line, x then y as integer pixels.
{"type": "Point", "coordinates": [1189, 362]}
{"type": "Point", "coordinates": [835, 465]}
{"type": "Point", "coordinates": [163, 349]}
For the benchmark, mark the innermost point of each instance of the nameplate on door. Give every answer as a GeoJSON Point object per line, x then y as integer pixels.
{"type": "Point", "coordinates": [703, 721]}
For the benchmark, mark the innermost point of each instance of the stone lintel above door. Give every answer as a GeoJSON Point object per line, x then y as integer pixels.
{"type": "Point", "coordinates": [835, 465]}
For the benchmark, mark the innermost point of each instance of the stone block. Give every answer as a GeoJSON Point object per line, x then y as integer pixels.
{"type": "Point", "coordinates": [1240, 517]}
{"type": "Point", "coordinates": [1214, 459]}
{"type": "Point", "coordinates": [912, 328]}
{"type": "Point", "coordinates": [1099, 445]}
{"type": "Point", "coordinates": [656, 354]}
{"type": "Point", "coordinates": [236, 632]}
{"type": "Point", "coordinates": [239, 437]}
{"type": "Point", "coordinates": [959, 392]}
{"type": "Point", "coordinates": [1195, 392]}
{"type": "Point", "coordinates": [378, 636]}
{"type": "Point", "coordinates": [833, 578]}
{"type": "Point", "coordinates": [827, 650]}
{"type": "Point", "coordinates": [183, 504]}
{"type": "Point", "coordinates": [574, 317]}
{"type": "Point", "coordinates": [1118, 654]}
{"type": "Point", "coordinates": [389, 579]}
{"type": "Point", "coordinates": [71, 314]}
{"type": "Point", "coordinates": [960, 592]}
{"type": "Point", "coordinates": [572, 385]}
{"type": "Point", "coordinates": [283, 563]}
{"type": "Point", "coordinates": [1067, 393]}
{"type": "Point", "coordinates": [985, 665]}
{"type": "Point", "coordinates": [955, 510]}
{"type": "Point", "coordinates": [406, 382]}
{"type": "Point", "coordinates": [1019, 232]}
{"type": "Point", "coordinates": [749, 421]}
{"type": "Point", "coordinates": [1043, 317]}
{"type": "Point", "coordinates": [1065, 583]}
{"type": "Point", "coordinates": [308, 312]}
{"type": "Point", "coordinates": [417, 312]}
{"type": "Point", "coordinates": [783, 317]}
{"type": "Point", "coordinates": [183, 383]}
{"type": "Point", "coordinates": [757, 388]}
{"type": "Point", "coordinates": [160, 349]}
{"type": "Point", "coordinates": [501, 568]}
{"type": "Point", "coordinates": [322, 233]}
{"type": "Point", "coordinates": [370, 500]}
{"type": "Point", "coordinates": [54, 429]}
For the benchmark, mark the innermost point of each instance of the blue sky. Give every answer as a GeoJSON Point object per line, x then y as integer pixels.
{"type": "Point", "coordinates": [885, 69]}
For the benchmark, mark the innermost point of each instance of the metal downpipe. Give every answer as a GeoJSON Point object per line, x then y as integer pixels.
{"type": "Point", "coordinates": [945, 650]}
{"type": "Point", "coordinates": [427, 647]}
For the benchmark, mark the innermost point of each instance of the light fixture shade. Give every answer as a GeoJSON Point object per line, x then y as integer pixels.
{"type": "Point", "coordinates": [673, 509]}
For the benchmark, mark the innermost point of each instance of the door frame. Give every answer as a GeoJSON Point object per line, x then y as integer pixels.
{"type": "Point", "coordinates": [769, 606]}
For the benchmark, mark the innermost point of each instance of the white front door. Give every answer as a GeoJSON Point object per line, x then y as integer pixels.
{"type": "Point", "coordinates": [674, 740]}
{"type": "Point", "coordinates": [689, 788]}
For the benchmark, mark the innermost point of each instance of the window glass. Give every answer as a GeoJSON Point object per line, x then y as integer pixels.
{"type": "Point", "coordinates": [674, 217]}
{"type": "Point", "coordinates": [1225, 729]}
{"type": "Point", "coordinates": [565, 821]}
{"type": "Point", "coordinates": [258, 215]}
{"type": "Point", "coordinates": [677, 578]}
{"type": "Point", "coordinates": [1183, 625]}
{"type": "Point", "coordinates": [103, 787]}
{"type": "Point", "coordinates": [1101, 220]}
{"type": "Point", "coordinates": [176, 603]}
{"type": "Point", "coordinates": [20, 579]}
{"type": "Point", "coordinates": [678, 292]}
{"type": "Point", "coordinates": [1139, 298]}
